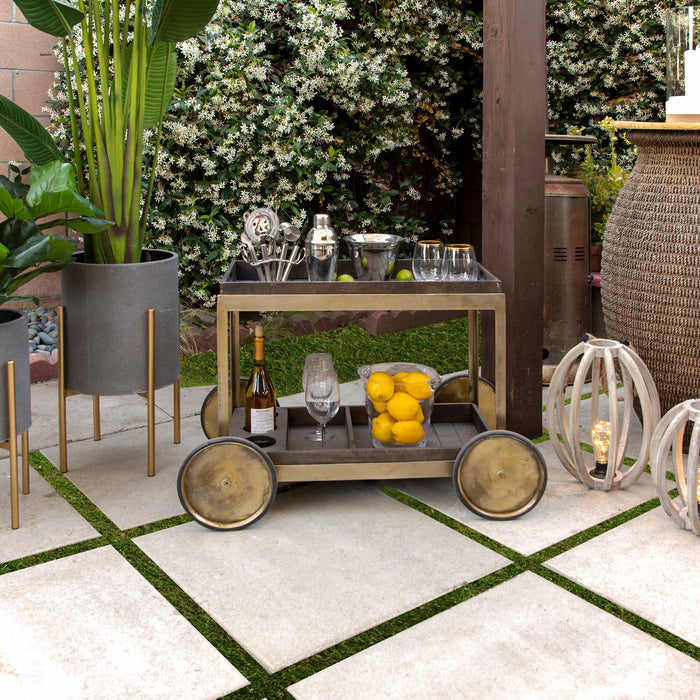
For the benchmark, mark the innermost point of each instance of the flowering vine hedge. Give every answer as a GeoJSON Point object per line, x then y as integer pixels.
{"type": "Point", "coordinates": [362, 109]}
{"type": "Point", "coordinates": [352, 108]}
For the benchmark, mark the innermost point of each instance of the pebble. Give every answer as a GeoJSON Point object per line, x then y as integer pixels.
{"type": "Point", "coordinates": [42, 333]}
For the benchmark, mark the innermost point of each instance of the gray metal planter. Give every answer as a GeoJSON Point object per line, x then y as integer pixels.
{"type": "Point", "coordinates": [106, 321]}
{"type": "Point", "coordinates": [14, 346]}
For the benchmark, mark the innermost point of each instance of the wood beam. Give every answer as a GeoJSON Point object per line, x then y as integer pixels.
{"type": "Point", "coordinates": [515, 118]}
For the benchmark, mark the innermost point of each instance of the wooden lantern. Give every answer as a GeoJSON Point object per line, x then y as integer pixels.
{"type": "Point", "coordinates": [667, 445]}
{"type": "Point", "coordinates": [606, 362]}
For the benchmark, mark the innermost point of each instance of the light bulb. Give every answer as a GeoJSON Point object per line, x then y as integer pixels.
{"type": "Point", "coordinates": [600, 435]}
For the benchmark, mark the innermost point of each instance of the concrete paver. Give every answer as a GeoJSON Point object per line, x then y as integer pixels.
{"type": "Point", "coordinates": [325, 563]}
{"type": "Point", "coordinates": [46, 520]}
{"type": "Point", "coordinates": [567, 507]}
{"type": "Point", "coordinates": [648, 565]}
{"type": "Point", "coordinates": [89, 626]}
{"type": "Point", "coordinates": [526, 638]}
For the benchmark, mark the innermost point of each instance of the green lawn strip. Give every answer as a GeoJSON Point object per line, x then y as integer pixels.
{"type": "Point", "coordinates": [593, 531]}
{"type": "Point", "coordinates": [191, 611]}
{"type": "Point", "coordinates": [52, 554]}
{"type": "Point", "coordinates": [456, 525]}
{"type": "Point", "coordinates": [534, 563]}
{"type": "Point", "coordinates": [120, 540]}
{"type": "Point", "coordinates": [73, 495]}
{"type": "Point", "coordinates": [620, 612]}
{"type": "Point", "coordinates": [442, 346]}
{"type": "Point", "coordinates": [368, 638]}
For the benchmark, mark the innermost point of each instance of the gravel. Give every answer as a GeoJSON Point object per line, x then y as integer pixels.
{"type": "Point", "coordinates": [42, 331]}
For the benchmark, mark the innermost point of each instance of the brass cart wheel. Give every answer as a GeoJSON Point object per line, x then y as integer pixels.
{"type": "Point", "coordinates": [209, 415]}
{"type": "Point", "coordinates": [227, 483]}
{"type": "Point", "coordinates": [500, 475]}
{"type": "Point", "coordinates": [456, 390]}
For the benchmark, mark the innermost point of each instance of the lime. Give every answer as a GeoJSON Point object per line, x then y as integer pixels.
{"type": "Point", "coordinates": [389, 269]}
{"type": "Point", "coordinates": [345, 278]}
{"type": "Point", "coordinates": [404, 275]}
{"type": "Point", "coordinates": [365, 263]}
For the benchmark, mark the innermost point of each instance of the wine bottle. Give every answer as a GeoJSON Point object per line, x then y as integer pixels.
{"type": "Point", "coordinates": [260, 394]}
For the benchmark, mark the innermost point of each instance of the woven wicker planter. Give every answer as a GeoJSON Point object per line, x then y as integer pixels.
{"type": "Point", "coordinates": [650, 272]}
{"type": "Point", "coordinates": [14, 346]}
{"type": "Point", "coordinates": [106, 324]}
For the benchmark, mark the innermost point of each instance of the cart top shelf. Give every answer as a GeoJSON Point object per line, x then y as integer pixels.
{"type": "Point", "coordinates": [241, 279]}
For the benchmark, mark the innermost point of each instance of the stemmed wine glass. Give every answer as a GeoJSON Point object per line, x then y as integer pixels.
{"type": "Point", "coordinates": [314, 362]}
{"type": "Point", "coordinates": [322, 396]}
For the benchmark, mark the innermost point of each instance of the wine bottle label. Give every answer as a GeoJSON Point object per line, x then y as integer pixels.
{"type": "Point", "coordinates": [262, 420]}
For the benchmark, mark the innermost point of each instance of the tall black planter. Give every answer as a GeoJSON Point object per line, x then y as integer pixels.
{"type": "Point", "coordinates": [14, 346]}
{"type": "Point", "coordinates": [106, 324]}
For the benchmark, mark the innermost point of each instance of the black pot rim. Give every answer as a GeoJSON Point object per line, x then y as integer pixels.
{"type": "Point", "coordinates": [158, 255]}
{"type": "Point", "coordinates": [9, 315]}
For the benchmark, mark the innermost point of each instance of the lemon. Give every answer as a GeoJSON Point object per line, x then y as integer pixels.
{"type": "Point", "coordinates": [402, 406]}
{"type": "Point", "coordinates": [407, 432]}
{"type": "Point", "coordinates": [381, 427]}
{"type": "Point", "coordinates": [398, 381]}
{"type": "Point", "coordinates": [380, 386]}
{"type": "Point", "coordinates": [418, 385]}
{"type": "Point", "coordinates": [379, 406]}
{"type": "Point", "coordinates": [419, 416]}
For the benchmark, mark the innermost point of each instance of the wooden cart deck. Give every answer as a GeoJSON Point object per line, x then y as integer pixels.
{"type": "Point", "coordinates": [350, 454]}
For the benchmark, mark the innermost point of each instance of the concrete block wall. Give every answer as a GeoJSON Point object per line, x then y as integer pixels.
{"type": "Point", "coordinates": [27, 67]}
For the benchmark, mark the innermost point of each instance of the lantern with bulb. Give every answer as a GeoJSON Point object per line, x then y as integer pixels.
{"type": "Point", "coordinates": [604, 362]}
{"type": "Point", "coordinates": [667, 451]}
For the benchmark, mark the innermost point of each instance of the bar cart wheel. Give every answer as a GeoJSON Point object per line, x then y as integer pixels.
{"type": "Point", "coordinates": [227, 483]}
{"type": "Point", "coordinates": [499, 475]}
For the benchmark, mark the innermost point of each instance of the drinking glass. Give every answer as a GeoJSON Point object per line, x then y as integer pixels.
{"type": "Point", "coordinates": [428, 261]}
{"type": "Point", "coordinates": [315, 361]}
{"type": "Point", "coordinates": [460, 263]}
{"type": "Point", "coordinates": [322, 396]}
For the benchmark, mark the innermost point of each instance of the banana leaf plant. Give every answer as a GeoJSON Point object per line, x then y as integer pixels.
{"type": "Point", "coordinates": [49, 200]}
{"type": "Point", "coordinates": [128, 49]}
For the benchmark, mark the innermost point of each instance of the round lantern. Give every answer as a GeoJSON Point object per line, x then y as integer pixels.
{"type": "Point", "coordinates": [667, 446]}
{"type": "Point", "coordinates": [608, 364]}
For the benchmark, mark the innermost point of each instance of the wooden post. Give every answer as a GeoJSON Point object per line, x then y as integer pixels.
{"type": "Point", "coordinates": [515, 117]}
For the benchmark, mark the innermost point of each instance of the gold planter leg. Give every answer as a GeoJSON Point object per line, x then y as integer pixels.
{"type": "Point", "coordinates": [151, 395]}
{"type": "Point", "coordinates": [12, 416]}
{"type": "Point", "coordinates": [25, 461]}
{"type": "Point", "coordinates": [96, 428]}
{"type": "Point", "coordinates": [63, 453]}
{"type": "Point", "coordinates": [176, 412]}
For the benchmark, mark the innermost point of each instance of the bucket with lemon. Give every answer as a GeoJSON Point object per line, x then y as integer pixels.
{"type": "Point", "coordinates": [399, 400]}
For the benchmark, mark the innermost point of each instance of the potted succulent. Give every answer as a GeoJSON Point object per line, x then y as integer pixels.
{"type": "Point", "coordinates": [121, 70]}
{"type": "Point", "coordinates": [26, 251]}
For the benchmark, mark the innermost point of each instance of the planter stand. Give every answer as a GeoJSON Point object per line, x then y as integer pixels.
{"type": "Point", "coordinates": [149, 395]}
{"type": "Point", "coordinates": [11, 445]}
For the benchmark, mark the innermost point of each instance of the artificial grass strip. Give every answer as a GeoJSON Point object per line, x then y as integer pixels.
{"type": "Point", "coordinates": [73, 495]}
{"type": "Point", "coordinates": [631, 618]}
{"type": "Point", "coordinates": [453, 524]}
{"type": "Point", "coordinates": [368, 638]}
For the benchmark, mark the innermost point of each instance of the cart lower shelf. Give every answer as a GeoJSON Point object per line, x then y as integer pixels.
{"type": "Point", "coordinates": [230, 482]}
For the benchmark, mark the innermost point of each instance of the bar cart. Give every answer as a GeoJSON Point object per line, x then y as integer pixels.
{"type": "Point", "coordinates": [230, 481]}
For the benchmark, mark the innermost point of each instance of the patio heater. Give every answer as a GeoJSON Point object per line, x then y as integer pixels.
{"type": "Point", "coordinates": [567, 228]}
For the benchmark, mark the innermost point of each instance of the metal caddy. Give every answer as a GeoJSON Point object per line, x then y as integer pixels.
{"type": "Point", "coordinates": [230, 481]}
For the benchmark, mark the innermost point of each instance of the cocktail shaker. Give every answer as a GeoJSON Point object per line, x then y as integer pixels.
{"type": "Point", "coordinates": [321, 250]}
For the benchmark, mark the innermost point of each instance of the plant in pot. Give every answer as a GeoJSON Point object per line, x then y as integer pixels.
{"type": "Point", "coordinates": [120, 67]}
{"type": "Point", "coordinates": [26, 251]}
